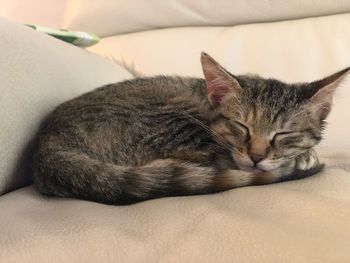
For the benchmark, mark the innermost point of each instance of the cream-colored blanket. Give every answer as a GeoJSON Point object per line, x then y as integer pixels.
{"type": "Point", "coordinates": [301, 221]}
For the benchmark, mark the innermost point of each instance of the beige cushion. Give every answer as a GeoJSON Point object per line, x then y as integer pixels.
{"type": "Point", "coordinates": [111, 17]}
{"type": "Point", "coordinates": [301, 221]}
{"type": "Point", "coordinates": [293, 51]}
{"type": "Point", "coordinates": [37, 73]}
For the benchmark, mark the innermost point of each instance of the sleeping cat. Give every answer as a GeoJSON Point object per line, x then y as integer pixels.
{"type": "Point", "coordinates": [167, 136]}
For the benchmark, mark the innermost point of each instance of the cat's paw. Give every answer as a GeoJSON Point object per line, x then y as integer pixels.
{"type": "Point", "coordinates": [307, 161]}
{"type": "Point", "coordinates": [307, 164]}
{"type": "Point", "coordinates": [304, 165]}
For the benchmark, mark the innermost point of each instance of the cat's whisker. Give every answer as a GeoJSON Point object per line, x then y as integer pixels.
{"type": "Point", "coordinates": [215, 145]}
{"type": "Point", "coordinates": [216, 135]}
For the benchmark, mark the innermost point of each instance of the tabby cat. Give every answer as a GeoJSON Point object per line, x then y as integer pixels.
{"type": "Point", "coordinates": [167, 136]}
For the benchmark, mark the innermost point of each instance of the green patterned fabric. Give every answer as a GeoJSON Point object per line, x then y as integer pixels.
{"type": "Point", "coordinates": [77, 38]}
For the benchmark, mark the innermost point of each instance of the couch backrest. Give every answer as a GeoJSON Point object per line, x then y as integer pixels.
{"type": "Point", "coordinates": [38, 72]}
{"type": "Point", "coordinates": [112, 17]}
{"type": "Point", "coordinates": [293, 51]}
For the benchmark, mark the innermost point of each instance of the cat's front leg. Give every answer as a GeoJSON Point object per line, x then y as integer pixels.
{"type": "Point", "coordinates": [306, 164]}
{"type": "Point", "coordinates": [306, 161]}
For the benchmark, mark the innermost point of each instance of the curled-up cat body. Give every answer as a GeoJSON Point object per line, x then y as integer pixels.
{"type": "Point", "coordinates": [168, 136]}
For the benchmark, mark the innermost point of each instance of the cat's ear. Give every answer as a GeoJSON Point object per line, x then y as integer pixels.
{"type": "Point", "coordinates": [320, 93]}
{"type": "Point", "coordinates": [218, 81]}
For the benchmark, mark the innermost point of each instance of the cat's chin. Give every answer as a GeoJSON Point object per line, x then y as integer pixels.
{"type": "Point", "coordinates": [247, 166]}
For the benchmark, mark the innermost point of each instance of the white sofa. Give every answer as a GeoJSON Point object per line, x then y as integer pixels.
{"type": "Point", "coordinates": [300, 221]}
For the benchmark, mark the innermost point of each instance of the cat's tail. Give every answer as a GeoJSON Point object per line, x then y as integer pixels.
{"type": "Point", "coordinates": [72, 174]}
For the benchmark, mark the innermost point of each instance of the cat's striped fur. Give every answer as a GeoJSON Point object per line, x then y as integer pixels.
{"type": "Point", "coordinates": [165, 136]}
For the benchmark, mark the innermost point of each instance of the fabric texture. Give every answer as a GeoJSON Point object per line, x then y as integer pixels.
{"type": "Point", "coordinates": [302, 221]}
{"type": "Point", "coordinates": [111, 17]}
{"type": "Point", "coordinates": [38, 72]}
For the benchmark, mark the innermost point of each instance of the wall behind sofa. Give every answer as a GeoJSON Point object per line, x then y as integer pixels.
{"type": "Point", "coordinates": [46, 13]}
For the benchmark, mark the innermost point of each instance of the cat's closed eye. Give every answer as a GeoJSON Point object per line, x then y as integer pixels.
{"type": "Point", "coordinates": [240, 130]}
{"type": "Point", "coordinates": [287, 139]}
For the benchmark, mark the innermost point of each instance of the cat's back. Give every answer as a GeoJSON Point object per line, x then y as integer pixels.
{"type": "Point", "coordinates": [132, 97]}
{"type": "Point", "coordinates": [146, 89]}
{"type": "Point", "coordinates": [130, 121]}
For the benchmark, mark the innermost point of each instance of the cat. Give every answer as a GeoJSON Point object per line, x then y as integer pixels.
{"type": "Point", "coordinates": [161, 136]}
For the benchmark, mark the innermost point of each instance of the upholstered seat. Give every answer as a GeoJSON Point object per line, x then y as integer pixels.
{"type": "Point", "coordinates": [300, 221]}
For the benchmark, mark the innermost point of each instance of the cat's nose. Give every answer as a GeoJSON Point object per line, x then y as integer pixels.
{"type": "Point", "coordinates": [256, 158]}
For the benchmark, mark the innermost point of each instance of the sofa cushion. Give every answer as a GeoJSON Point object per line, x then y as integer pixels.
{"type": "Point", "coordinates": [294, 51]}
{"type": "Point", "coordinates": [301, 221]}
{"type": "Point", "coordinates": [111, 17]}
{"type": "Point", "coordinates": [37, 72]}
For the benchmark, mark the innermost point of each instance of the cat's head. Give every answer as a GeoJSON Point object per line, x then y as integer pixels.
{"type": "Point", "coordinates": [265, 122]}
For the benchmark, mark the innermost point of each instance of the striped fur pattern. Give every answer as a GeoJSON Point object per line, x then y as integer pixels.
{"type": "Point", "coordinates": [167, 136]}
